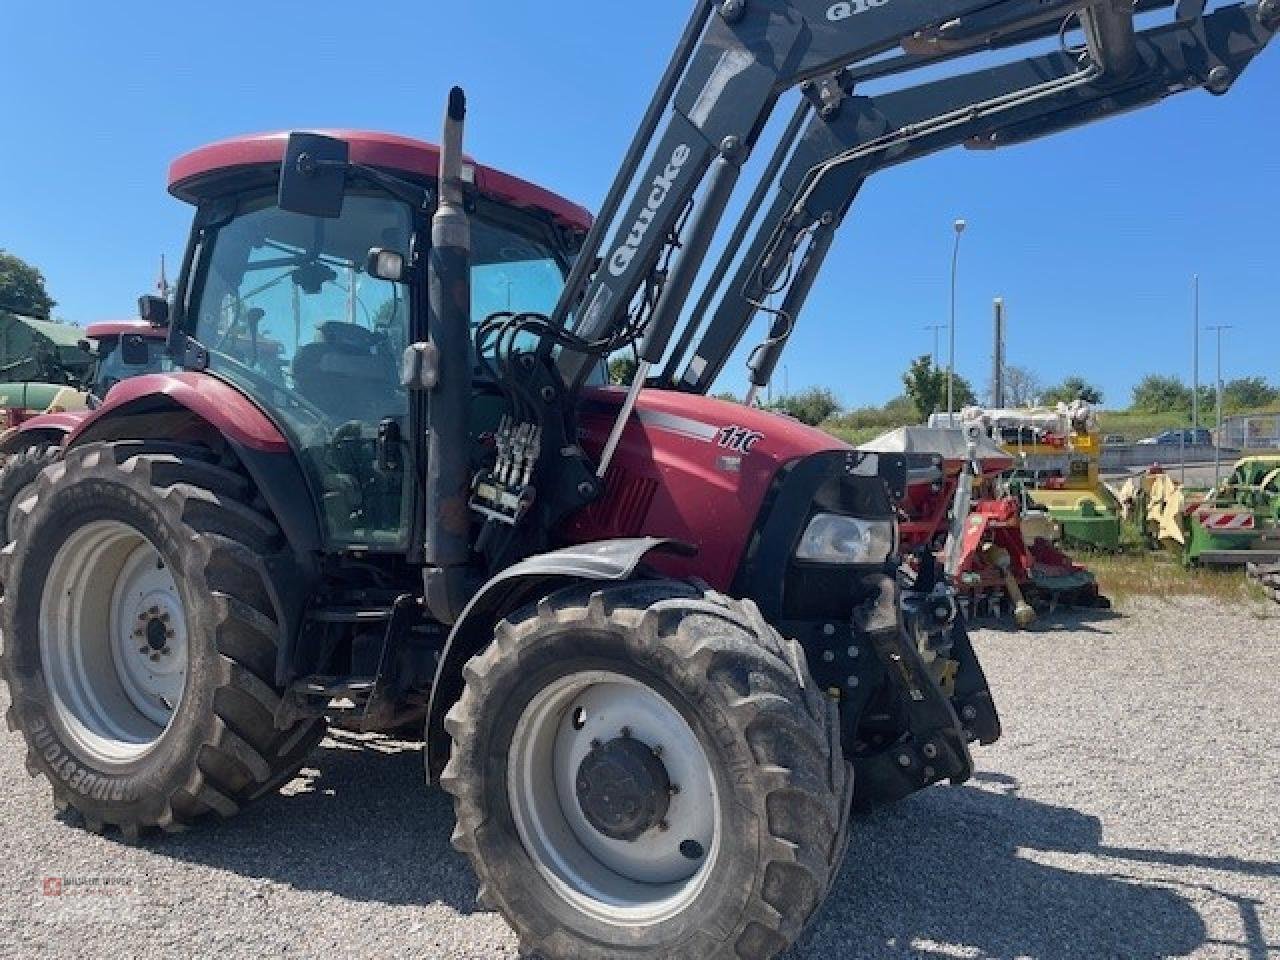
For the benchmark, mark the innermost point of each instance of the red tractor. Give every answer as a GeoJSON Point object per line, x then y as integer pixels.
{"type": "Point", "coordinates": [121, 349]}
{"type": "Point", "coordinates": [659, 645]}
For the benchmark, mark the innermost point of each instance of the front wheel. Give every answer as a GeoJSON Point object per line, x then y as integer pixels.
{"type": "Point", "coordinates": [645, 770]}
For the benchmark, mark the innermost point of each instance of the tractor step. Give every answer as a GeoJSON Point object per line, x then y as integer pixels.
{"type": "Point", "coordinates": [333, 687]}
{"type": "Point", "coordinates": [350, 615]}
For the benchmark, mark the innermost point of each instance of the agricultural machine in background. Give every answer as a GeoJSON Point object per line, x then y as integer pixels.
{"type": "Point", "coordinates": [959, 508]}
{"type": "Point", "coordinates": [1235, 523]}
{"type": "Point", "coordinates": [660, 645]}
{"type": "Point", "coordinates": [1057, 457]}
{"type": "Point", "coordinates": [42, 368]}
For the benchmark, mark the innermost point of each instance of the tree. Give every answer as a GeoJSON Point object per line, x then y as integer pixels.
{"type": "Point", "coordinates": [811, 406]}
{"type": "Point", "coordinates": [1248, 393]}
{"type": "Point", "coordinates": [1072, 388]}
{"type": "Point", "coordinates": [1159, 394]}
{"type": "Point", "coordinates": [622, 369]}
{"type": "Point", "coordinates": [22, 288]}
{"type": "Point", "coordinates": [1022, 388]}
{"type": "Point", "coordinates": [926, 386]}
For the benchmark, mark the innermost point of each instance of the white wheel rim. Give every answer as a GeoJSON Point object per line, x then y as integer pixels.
{"type": "Point", "coordinates": [113, 642]}
{"type": "Point", "coordinates": [622, 882]}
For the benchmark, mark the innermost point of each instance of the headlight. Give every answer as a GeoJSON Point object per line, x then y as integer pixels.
{"type": "Point", "coordinates": [831, 538]}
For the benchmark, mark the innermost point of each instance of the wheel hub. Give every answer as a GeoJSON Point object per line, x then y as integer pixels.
{"type": "Point", "coordinates": [623, 788]}
{"type": "Point", "coordinates": [113, 641]}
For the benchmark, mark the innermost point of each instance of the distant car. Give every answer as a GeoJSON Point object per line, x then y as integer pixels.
{"type": "Point", "coordinates": [1200, 437]}
{"type": "Point", "coordinates": [1114, 440]}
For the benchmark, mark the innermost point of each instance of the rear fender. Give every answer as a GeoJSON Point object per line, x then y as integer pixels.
{"type": "Point", "coordinates": [603, 560]}
{"type": "Point", "coordinates": [199, 408]}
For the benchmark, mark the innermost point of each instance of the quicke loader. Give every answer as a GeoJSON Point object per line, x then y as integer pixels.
{"type": "Point", "coordinates": [658, 646]}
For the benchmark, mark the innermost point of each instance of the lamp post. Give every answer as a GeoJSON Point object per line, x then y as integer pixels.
{"type": "Point", "coordinates": [1217, 440]}
{"type": "Point", "coordinates": [951, 359]}
{"type": "Point", "coordinates": [1195, 352]}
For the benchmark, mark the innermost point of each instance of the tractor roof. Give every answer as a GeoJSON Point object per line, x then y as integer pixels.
{"type": "Point", "coordinates": [230, 164]}
{"type": "Point", "coordinates": [116, 328]}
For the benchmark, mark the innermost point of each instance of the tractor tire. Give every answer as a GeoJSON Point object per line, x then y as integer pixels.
{"type": "Point", "coordinates": [141, 632]}
{"type": "Point", "coordinates": [711, 823]}
{"type": "Point", "coordinates": [17, 479]}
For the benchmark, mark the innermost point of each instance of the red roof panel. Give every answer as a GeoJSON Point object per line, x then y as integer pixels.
{"type": "Point", "coordinates": [385, 150]}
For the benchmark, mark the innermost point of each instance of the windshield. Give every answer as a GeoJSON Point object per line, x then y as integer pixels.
{"type": "Point", "coordinates": [110, 367]}
{"type": "Point", "coordinates": [287, 311]}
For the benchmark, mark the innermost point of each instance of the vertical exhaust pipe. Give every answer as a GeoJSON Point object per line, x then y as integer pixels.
{"type": "Point", "coordinates": [446, 539]}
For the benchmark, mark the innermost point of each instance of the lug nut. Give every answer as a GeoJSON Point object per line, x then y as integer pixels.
{"type": "Point", "coordinates": [930, 750]}
{"type": "Point", "coordinates": [904, 760]}
{"type": "Point", "coordinates": [691, 850]}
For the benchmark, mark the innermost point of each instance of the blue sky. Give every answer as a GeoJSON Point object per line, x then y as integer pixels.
{"type": "Point", "coordinates": [1091, 237]}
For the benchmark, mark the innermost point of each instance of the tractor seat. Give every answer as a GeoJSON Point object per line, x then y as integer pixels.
{"type": "Point", "coordinates": [349, 373]}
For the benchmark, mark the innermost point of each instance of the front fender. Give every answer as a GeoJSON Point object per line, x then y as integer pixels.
{"type": "Point", "coordinates": [604, 560]}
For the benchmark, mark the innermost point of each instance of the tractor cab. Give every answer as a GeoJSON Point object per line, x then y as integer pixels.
{"type": "Point", "coordinates": [293, 312]}
{"type": "Point", "coordinates": [124, 349]}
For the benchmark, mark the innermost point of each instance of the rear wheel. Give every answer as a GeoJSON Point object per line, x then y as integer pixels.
{"type": "Point", "coordinates": [645, 770]}
{"type": "Point", "coordinates": [141, 636]}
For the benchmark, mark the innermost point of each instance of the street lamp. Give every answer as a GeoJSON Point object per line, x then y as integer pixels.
{"type": "Point", "coordinates": [1217, 441]}
{"type": "Point", "coordinates": [951, 359]}
{"type": "Point", "coordinates": [1195, 352]}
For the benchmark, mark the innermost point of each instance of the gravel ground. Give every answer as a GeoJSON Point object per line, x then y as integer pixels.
{"type": "Point", "coordinates": [1129, 812]}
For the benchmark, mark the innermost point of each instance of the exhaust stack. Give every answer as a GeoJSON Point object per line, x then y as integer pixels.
{"type": "Point", "coordinates": [446, 539]}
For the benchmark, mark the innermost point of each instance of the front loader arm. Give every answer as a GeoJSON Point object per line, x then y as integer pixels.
{"type": "Point", "coordinates": [853, 137]}
{"type": "Point", "coordinates": [736, 58]}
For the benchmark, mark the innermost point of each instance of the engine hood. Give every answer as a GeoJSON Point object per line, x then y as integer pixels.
{"type": "Point", "coordinates": [691, 468]}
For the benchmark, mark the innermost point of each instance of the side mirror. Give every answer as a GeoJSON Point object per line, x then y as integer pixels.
{"type": "Point", "coordinates": [313, 175]}
{"type": "Point", "coordinates": [386, 264]}
{"type": "Point", "coordinates": [134, 351]}
{"type": "Point", "coordinates": [154, 310]}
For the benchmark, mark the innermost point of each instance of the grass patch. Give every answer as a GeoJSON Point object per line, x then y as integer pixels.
{"type": "Point", "coordinates": [1123, 577]}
